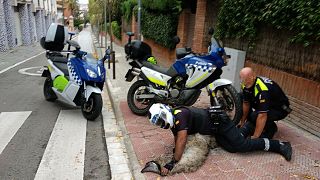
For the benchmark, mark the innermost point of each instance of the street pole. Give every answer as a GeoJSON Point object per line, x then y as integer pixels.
{"type": "Point", "coordinates": [109, 61]}
{"type": "Point", "coordinates": [98, 31]}
{"type": "Point", "coordinates": [111, 42]}
{"type": "Point", "coordinates": [63, 12]}
{"type": "Point", "coordinates": [110, 29]}
{"type": "Point", "coordinates": [139, 19]}
{"type": "Point", "coordinates": [105, 23]}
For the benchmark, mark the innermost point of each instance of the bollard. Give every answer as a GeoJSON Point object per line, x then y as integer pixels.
{"type": "Point", "coordinates": [109, 59]}
{"type": "Point", "coordinates": [114, 64]}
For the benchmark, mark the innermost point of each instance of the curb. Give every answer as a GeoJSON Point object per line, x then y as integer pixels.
{"type": "Point", "coordinates": [118, 158]}
{"type": "Point", "coordinates": [115, 131]}
{"type": "Point", "coordinates": [133, 161]}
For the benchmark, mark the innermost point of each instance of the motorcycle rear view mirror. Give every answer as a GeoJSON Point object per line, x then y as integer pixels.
{"type": "Point", "coordinates": [211, 31]}
{"type": "Point", "coordinates": [176, 40]}
{"type": "Point", "coordinates": [221, 44]}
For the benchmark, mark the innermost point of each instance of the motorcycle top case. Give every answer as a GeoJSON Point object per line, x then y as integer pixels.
{"type": "Point", "coordinates": [56, 38]}
{"type": "Point", "coordinates": [138, 50]}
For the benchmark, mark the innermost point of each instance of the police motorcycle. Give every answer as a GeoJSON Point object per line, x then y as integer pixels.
{"type": "Point", "coordinates": [78, 80]}
{"type": "Point", "coordinates": [181, 83]}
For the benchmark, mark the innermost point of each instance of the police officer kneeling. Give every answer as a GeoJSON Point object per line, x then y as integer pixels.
{"type": "Point", "coordinates": [263, 103]}
{"type": "Point", "coordinates": [184, 121]}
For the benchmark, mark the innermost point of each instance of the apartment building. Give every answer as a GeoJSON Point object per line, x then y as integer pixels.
{"type": "Point", "coordinates": [23, 22]}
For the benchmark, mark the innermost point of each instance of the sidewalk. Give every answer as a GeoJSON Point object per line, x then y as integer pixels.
{"type": "Point", "coordinates": [144, 142]}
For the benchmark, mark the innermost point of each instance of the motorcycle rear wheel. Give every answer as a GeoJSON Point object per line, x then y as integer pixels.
{"type": "Point", "coordinates": [230, 100]}
{"type": "Point", "coordinates": [92, 108]}
{"type": "Point", "coordinates": [48, 93]}
{"type": "Point", "coordinates": [138, 88]}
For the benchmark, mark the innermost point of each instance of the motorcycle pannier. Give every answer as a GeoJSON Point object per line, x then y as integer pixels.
{"type": "Point", "coordinates": [56, 38]}
{"type": "Point", "coordinates": [138, 50]}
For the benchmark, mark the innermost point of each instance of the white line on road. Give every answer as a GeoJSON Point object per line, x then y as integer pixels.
{"type": "Point", "coordinates": [64, 154]}
{"type": "Point", "coordinates": [10, 122]}
{"type": "Point", "coordinates": [17, 64]}
{"type": "Point", "coordinates": [38, 72]}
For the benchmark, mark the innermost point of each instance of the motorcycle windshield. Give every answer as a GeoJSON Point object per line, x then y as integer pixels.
{"type": "Point", "coordinates": [91, 59]}
{"type": "Point", "coordinates": [214, 45]}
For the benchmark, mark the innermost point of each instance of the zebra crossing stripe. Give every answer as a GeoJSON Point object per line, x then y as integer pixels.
{"type": "Point", "coordinates": [10, 122]}
{"type": "Point", "coordinates": [65, 151]}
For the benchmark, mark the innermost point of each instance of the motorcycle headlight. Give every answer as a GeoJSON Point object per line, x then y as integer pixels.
{"type": "Point", "coordinates": [91, 73]}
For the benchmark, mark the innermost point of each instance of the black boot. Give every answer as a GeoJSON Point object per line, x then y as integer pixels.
{"type": "Point", "coordinates": [286, 150]}
{"type": "Point", "coordinates": [269, 130]}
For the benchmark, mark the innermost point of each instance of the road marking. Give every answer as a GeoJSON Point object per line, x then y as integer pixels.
{"type": "Point", "coordinates": [38, 72]}
{"type": "Point", "coordinates": [17, 64]}
{"type": "Point", "coordinates": [64, 154]}
{"type": "Point", "coordinates": [10, 122]}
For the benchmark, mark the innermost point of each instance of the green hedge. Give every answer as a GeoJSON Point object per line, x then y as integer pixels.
{"type": "Point", "coordinates": [159, 27]}
{"type": "Point", "coordinates": [159, 19]}
{"type": "Point", "coordinates": [116, 29]}
{"type": "Point", "coordinates": [242, 18]}
{"type": "Point", "coordinates": [162, 6]}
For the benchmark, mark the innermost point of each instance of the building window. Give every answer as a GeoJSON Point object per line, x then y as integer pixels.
{"type": "Point", "coordinates": [16, 8]}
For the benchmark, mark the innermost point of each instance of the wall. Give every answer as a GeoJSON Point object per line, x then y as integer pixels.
{"type": "Point", "coordinates": [199, 44]}
{"type": "Point", "coordinates": [273, 49]}
{"type": "Point", "coordinates": [20, 25]}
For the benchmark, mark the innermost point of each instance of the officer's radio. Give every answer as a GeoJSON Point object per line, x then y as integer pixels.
{"type": "Point", "coordinates": [215, 114]}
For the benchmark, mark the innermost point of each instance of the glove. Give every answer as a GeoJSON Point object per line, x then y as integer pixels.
{"type": "Point", "coordinates": [170, 165]}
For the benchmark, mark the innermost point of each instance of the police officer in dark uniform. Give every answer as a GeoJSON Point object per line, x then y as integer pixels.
{"type": "Point", "coordinates": [263, 103]}
{"type": "Point", "coordinates": [184, 121]}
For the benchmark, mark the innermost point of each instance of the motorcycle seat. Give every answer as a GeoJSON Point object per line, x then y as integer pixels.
{"type": "Point", "coordinates": [63, 67]}
{"type": "Point", "coordinates": [59, 59]}
{"type": "Point", "coordinates": [168, 71]}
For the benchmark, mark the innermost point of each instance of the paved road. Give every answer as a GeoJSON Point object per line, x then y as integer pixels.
{"type": "Point", "coordinates": [45, 140]}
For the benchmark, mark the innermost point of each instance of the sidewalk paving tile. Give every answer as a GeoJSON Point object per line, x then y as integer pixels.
{"type": "Point", "coordinates": [149, 142]}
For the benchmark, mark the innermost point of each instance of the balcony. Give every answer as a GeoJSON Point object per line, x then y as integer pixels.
{"type": "Point", "coordinates": [16, 2]}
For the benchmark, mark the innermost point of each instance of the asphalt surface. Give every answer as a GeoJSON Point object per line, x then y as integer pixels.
{"type": "Point", "coordinates": [22, 91]}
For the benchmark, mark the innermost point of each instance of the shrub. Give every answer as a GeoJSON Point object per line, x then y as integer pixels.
{"type": "Point", "coordinates": [242, 18]}
{"type": "Point", "coordinates": [116, 29]}
{"type": "Point", "coordinates": [159, 27]}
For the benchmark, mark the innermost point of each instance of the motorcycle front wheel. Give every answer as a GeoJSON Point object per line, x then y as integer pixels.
{"type": "Point", "coordinates": [139, 106]}
{"type": "Point", "coordinates": [48, 93]}
{"type": "Point", "coordinates": [229, 99]}
{"type": "Point", "coordinates": [92, 108]}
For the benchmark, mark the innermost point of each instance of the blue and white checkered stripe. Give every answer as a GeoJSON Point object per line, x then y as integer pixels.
{"type": "Point", "coordinates": [73, 75]}
{"type": "Point", "coordinates": [200, 67]}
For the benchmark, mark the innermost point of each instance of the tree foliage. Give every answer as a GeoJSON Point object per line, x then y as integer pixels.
{"type": "Point", "coordinates": [127, 9]}
{"type": "Point", "coordinates": [95, 11]}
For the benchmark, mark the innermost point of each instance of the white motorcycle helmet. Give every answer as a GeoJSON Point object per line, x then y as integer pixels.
{"type": "Point", "coordinates": [160, 115]}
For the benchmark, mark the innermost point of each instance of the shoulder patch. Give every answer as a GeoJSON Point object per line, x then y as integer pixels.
{"type": "Point", "coordinates": [262, 100]}
{"type": "Point", "coordinates": [176, 112]}
{"type": "Point", "coordinates": [177, 122]}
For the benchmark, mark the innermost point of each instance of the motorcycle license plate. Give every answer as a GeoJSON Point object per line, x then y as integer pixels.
{"type": "Point", "coordinates": [129, 76]}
